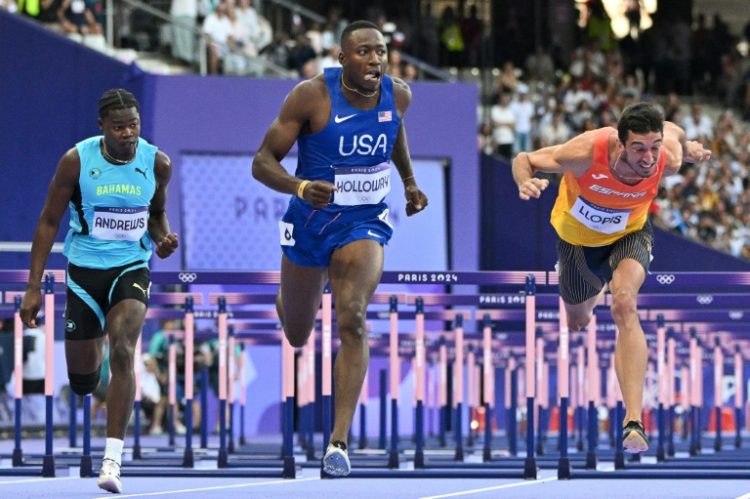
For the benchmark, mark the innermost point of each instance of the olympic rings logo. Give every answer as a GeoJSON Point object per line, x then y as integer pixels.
{"type": "Point", "coordinates": [705, 299]}
{"type": "Point", "coordinates": [187, 277]}
{"type": "Point", "coordinates": [665, 279]}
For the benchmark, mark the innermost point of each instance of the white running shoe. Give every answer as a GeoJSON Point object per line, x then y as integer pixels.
{"type": "Point", "coordinates": [109, 477]}
{"type": "Point", "coordinates": [336, 461]}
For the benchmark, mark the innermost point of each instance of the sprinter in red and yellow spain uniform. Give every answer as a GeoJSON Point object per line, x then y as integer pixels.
{"type": "Point", "coordinates": [610, 179]}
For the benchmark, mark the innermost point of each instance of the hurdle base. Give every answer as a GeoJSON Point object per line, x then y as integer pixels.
{"type": "Point", "coordinates": [242, 440]}
{"type": "Point", "coordinates": [539, 448]}
{"type": "Point", "coordinates": [393, 459]}
{"type": "Point", "coordinates": [419, 459]}
{"type": "Point", "coordinates": [48, 466]}
{"type": "Point", "coordinates": [563, 469]}
{"type": "Point", "coordinates": [529, 469]}
{"type": "Point", "coordinates": [137, 451]}
{"type": "Point", "coordinates": [459, 455]}
{"type": "Point", "coordinates": [289, 470]}
{"type": "Point", "coordinates": [619, 460]}
{"type": "Point", "coordinates": [737, 442]}
{"type": "Point", "coordinates": [87, 469]}
{"type": "Point", "coordinates": [188, 460]}
{"type": "Point", "coordinates": [17, 457]}
{"type": "Point", "coordinates": [222, 459]}
{"type": "Point", "coordinates": [670, 449]}
{"type": "Point", "coordinates": [717, 444]}
{"type": "Point", "coordinates": [579, 445]}
{"type": "Point", "coordinates": [660, 454]}
{"type": "Point", "coordinates": [487, 454]}
{"type": "Point", "coordinates": [590, 460]}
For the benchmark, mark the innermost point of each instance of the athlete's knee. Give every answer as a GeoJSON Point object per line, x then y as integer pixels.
{"type": "Point", "coordinates": [351, 320]}
{"type": "Point", "coordinates": [298, 338]}
{"type": "Point", "coordinates": [84, 384]}
{"type": "Point", "coordinates": [624, 305]}
{"type": "Point", "coordinates": [578, 321]}
{"type": "Point", "coordinates": [121, 355]}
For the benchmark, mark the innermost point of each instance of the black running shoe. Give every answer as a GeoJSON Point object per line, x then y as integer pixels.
{"type": "Point", "coordinates": [634, 439]}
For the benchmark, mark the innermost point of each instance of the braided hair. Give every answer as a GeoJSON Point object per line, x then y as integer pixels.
{"type": "Point", "coordinates": [116, 98]}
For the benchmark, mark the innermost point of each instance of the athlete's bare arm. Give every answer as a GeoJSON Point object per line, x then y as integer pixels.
{"type": "Point", "coordinates": [60, 192]}
{"type": "Point", "coordinates": [158, 225]}
{"type": "Point", "coordinates": [572, 156]}
{"type": "Point", "coordinates": [679, 151]}
{"type": "Point", "coordinates": [415, 199]}
{"type": "Point", "coordinates": [306, 109]}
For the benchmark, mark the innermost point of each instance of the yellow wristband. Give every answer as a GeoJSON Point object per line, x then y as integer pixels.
{"type": "Point", "coordinates": [301, 188]}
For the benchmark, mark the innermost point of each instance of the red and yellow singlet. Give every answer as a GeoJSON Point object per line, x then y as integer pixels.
{"type": "Point", "coordinates": [596, 209]}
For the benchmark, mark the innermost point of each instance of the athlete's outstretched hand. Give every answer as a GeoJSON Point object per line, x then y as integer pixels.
{"type": "Point", "coordinates": [695, 152]}
{"type": "Point", "coordinates": [318, 193]}
{"type": "Point", "coordinates": [532, 188]}
{"type": "Point", "coordinates": [167, 246]}
{"type": "Point", "coordinates": [416, 200]}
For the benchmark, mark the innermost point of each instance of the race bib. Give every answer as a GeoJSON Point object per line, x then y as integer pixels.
{"type": "Point", "coordinates": [357, 185]}
{"type": "Point", "coordinates": [599, 218]}
{"type": "Point", "coordinates": [120, 224]}
{"type": "Point", "coordinates": [286, 234]}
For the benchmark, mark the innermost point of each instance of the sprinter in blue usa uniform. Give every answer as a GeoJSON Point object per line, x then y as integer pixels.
{"type": "Point", "coordinates": [348, 124]}
{"type": "Point", "coordinates": [116, 188]}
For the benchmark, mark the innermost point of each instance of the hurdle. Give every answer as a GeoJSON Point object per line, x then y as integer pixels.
{"type": "Point", "coordinates": [656, 282]}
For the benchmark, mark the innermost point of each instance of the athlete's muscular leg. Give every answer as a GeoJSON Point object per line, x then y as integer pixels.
{"type": "Point", "coordinates": [123, 325]}
{"type": "Point", "coordinates": [84, 356]}
{"type": "Point", "coordinates": [631, 353]}
{"type": "Point", "coordinates": [579, 315]}
{"type": "Point", "coordinates": [298, 300]}
{"type": "Point", "coordinates": [354, 273]}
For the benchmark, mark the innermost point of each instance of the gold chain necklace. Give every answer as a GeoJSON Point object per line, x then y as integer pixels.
{"type": "Point", "coordinates": [369, 96]}
{"type": "Point", "coordinates": [111, 158]}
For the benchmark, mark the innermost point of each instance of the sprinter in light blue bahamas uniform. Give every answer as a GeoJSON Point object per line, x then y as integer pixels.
{"type": "Point", "coordinates": [116, 188]}
{"type": "Point", "coordinates": [348, 124]}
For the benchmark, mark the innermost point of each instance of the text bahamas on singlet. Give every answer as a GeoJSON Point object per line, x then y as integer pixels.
{"type": "Point", "coordinates": [611, 192]}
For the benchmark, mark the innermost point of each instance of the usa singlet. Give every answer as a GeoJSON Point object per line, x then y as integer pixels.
{"type": "Point", "coordinates": [109, 209]}
{"type": "Point", "coordinates": [353, 152]}
{"type": "Point", "coordinates": [596, 209]}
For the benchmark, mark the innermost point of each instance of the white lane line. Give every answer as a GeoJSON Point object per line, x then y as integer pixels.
{"type": "Point", "coordinates": [32, 480]}
{"type": "Point", "coordinates": [743, 496]}
{"type": "Point", "coordinates": [218, 487]}
{"type": "Point", "coordinates": [487, 489]}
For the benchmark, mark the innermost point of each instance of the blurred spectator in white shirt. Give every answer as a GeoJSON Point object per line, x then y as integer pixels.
{"type": "Point", "coordinates": [556, 132]}
{"type": "Point", "coordinates": [185, 13]}
{"type": "Point", "coordinates": [503, 125]}
{"type": "Point", "coordinates": [218, 27]}
{"type": "Point", "coordinates": [697, 125]}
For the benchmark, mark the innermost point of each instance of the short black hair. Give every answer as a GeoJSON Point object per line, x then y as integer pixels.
{"type": "Point", "coordinates": [116, 98]}
{"type": "Point", "coordinates": [354, 26]}
{"type": "Point", "coordinates": [640, 118]}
